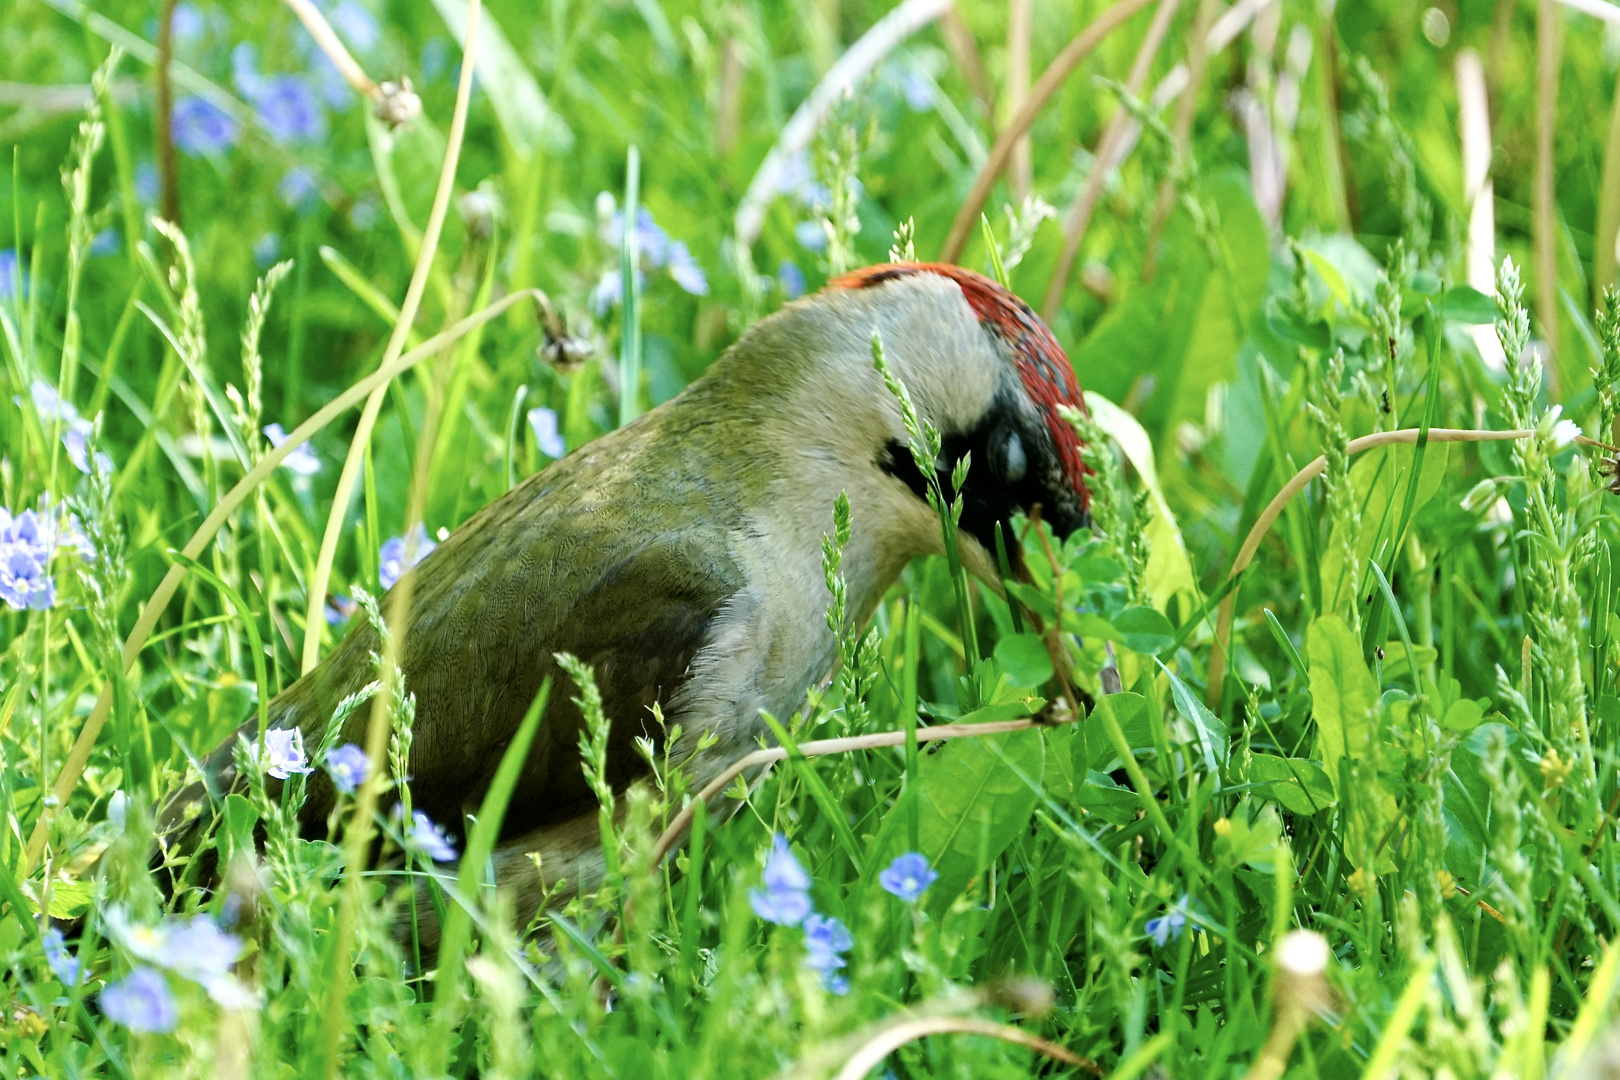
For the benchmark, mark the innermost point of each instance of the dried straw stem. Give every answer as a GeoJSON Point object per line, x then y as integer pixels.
{"type": "Point", "coordinates": [1274, 509]}
{"type": "Point", "coordinates": [1549, 51]}
{"type": "Point", "coordinates": [332, 46]}
{"type": "Point", "coordinates": [869, 1056]}
{"type": "Point", "coordinates": [1050, 81]}
{"type": "Point", "coordinates": [153, 609]}
{"type": "Point", "coordinates": [313, 620]}
{"type": "Point", "coordinates": [1107, 158]}
{"type": "Point", "coordinates": [939, 732]}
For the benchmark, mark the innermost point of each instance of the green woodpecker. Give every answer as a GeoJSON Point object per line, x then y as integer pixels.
{"type": "Point", "coordinates": [680, 556]}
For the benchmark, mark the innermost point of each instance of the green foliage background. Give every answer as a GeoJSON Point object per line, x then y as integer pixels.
{"type": "Point", "coordinates": [1412, 750]}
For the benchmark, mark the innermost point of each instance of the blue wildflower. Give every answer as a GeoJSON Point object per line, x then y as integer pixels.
{"type": "Point", "coordinates": [202, 128]}
{"type": "Point", "coordinates": [543, 422]}
{"type": "Point", "coordinates": [686, 271]}
{"type": "Point", "coordinates": [63, 964]}
{"type": "Point", "coordinates": [28, 542]}
{"type": "Point", "coordinates": [198, 950]}
{"type": "Point", "coordinates": [12, 275]}
{"type": "Point", "coordinates": [908, 877]}
{"type": "Point", "coordinates": [187, 25]}
{"type": "Point", "coordinates": [108, 241]}
{"type": "Point", "coordinates": [357, 26]}
{"type": "Point", "coordinates": [288, 111]}
{"type": "Point", "coordinates": [825, 940]}
{"type": "Point", "coordinates": [365, 212]}
{"type": "Point", "coordinates": [436, 58]}
{"type": "Point", "coordinates": [118, 809]}
{"type": "Point", "coordinates": [785, 899]}
{"type": "Point", "coordinates": [245, 70]}
{"type": "Point", "coordinates": [392, 558]}
{"type": "Point", "coordinates": [791, 279]}
{"type": "Point", "coordinates": [299, 188]}
{"type": "Point", "coordinates": [335, 90]}
{"type": "Point", "coordinates": [302, 460]}
{"type": "Point", "coordinates": [284, 753]}
{"type": "Point", "coordinates": [811, 236]}
{"type": "Point", "coordinates": [142, 1002]}
{"type": "Point", "coordinates": [918, 90]}
{"type": "Point", "coordinates": [430, 839]}
{"type": "Point", "coordinates": [652, 242]}
{"type": "Point", "coordinates": [147, 183]}
{"type": "Point", "coordinates": [608, 292]}
{"type": "Point", "coordinates": [348, 767]}
{"type": "Point", "coordinates": [338, 609]}
{"type": "Point", "coordinates": [265, 250]}
{"type": "Point", "coordinates": [1169, 926]}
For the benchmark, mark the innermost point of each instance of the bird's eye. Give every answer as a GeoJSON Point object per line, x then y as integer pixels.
{"type": "Point", "coordinates": [1014, 461]}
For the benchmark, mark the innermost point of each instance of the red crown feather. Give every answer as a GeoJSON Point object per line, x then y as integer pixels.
{"type": "Point", "coordinates": [1044, 367]}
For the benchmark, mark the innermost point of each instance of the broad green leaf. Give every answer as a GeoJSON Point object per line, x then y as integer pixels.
{"type": "Point", "coordinates": [1463, 715]}
{"type": "Point", "coordinates": [1135, 719]}
{"type": "Point", "coordinates": [1379, 479]}
{"type": "Point", "coordinates": [1469, 306]}
{"type": "Point", "coordinates": [1298, 784]}
{"type": "Point", "coordinates": [239, 818]}
{"type": "Point", "coordinates": [1099, 795]}
{"type": "Point", "coordinates": [1395, 662]}
{"type": "Point", "coordinates": [974, 802]}
{"type": "Point", "coordinates": [1024, 660]}
{"type": "Point", "coordinates": [1144, 630]}
{"type": "Point", "coordinates": [1343, 693]}
{"type": "Point", "coordinates": [1211, 729]}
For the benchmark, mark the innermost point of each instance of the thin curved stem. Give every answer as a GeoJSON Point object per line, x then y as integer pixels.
{"type": "Point", "coordinates": [869, 1056]}
{"type": "Point", "coordinates": [141, 634]}
{"type": "Point", "coordinates": [313, 622]}
{"type": "Point", "coordinates": [1274, 509]}
{"type": "Point", "coordinates": [1056, 73]}
{"type": "Point", "coordinates": [682, 820]}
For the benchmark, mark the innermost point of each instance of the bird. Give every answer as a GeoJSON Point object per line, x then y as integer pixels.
{"type": "Point", "coordinates": [679, 557]}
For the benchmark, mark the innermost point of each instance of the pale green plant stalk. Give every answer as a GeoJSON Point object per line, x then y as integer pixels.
{"type": "Point", "coordinates": [593, 756]}
{"type": "Point", "coordinates": [839, 154]}
{"type": "Point", "coordinates": [1338, 496]}
{"type": "Point", "coordinates": [927, 446]}
{"type": "Point", "coordinates": [1116, 516]}
{"type": "Point", "coordinates": [1553, 607]}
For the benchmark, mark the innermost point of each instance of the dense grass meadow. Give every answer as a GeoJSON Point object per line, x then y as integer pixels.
{"type": "Point", "coordinates": [1302, 766]}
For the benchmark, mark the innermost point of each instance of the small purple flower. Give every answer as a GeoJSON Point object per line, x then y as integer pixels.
{"type": "Point", "coordinates": [148, 186]}
{"type": "Point", "coordinates": [348, 766]}
{"type": "Point", "coordinates": [365, 212]}
{"type": "Point", "coordinates": [355, 25]}
{"type": "Point", "coordinates": [686, 271]}
{"type": "Point", "coordinates": [430, 839]}
{"type": "Point", "coordinates": [302, 460]}
{"type": "Point", "coordinates": [63, 964]}
{"type": "Point", "coordinates": [202, 129]}
{"type": "Point", "coordinates": [543, 422]}
{"type": "Point", "coordinates": [825, 936]}
{"type": "Point", "coordinates": [918, 90]}
{"type": "Point", "coordinates": [791, 279]}
{"type": "Point", "coordinates": [28, 542]}
{"type": "Point", "coordinates": [11, 273]}
{"type": "Point", "coordinates": [1169, 926]}
{"type": "Point", "coordinates": [299, 189]}
{"type": "Point", "coordinates": [245, 70]}
{"type": "Point", "coordinates": [811, 236]}
{"type": "Point", "coordinates": [108, 241]}
{"type": "Point", "coordinates": [76, 440]}
{"type": "Point", "coordinates": [785, 899]}
{"type": "Point", "coordinates": [797, 180]}
{"type": "Point", "coordinates": [142, 1002]}
{"type": "Point", "coordinates": [265, 250]}
{"type": "Point", "coordinates": [652, 242]}
{"type": "Point", "coordinates": [284, 753]}
{"type": "Point", "coordinates": [199, 950]}
{"type": "Point", "coordinates": [908, 877]}
{"type": "Point", "coordinates": [339, 608]}
{"type": "Point", "coordinates": [288, 111]}
{"type": "Point", "coordinates": [608, 292]}
{"type": "Point", "coordinates": [188, 25]}
{"type": "Point", "coordinates": [335, 90]}
{"type": "Point", "coordinates": [392, 558]}
{"type": "Point", "coordinates": [436, 58]}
